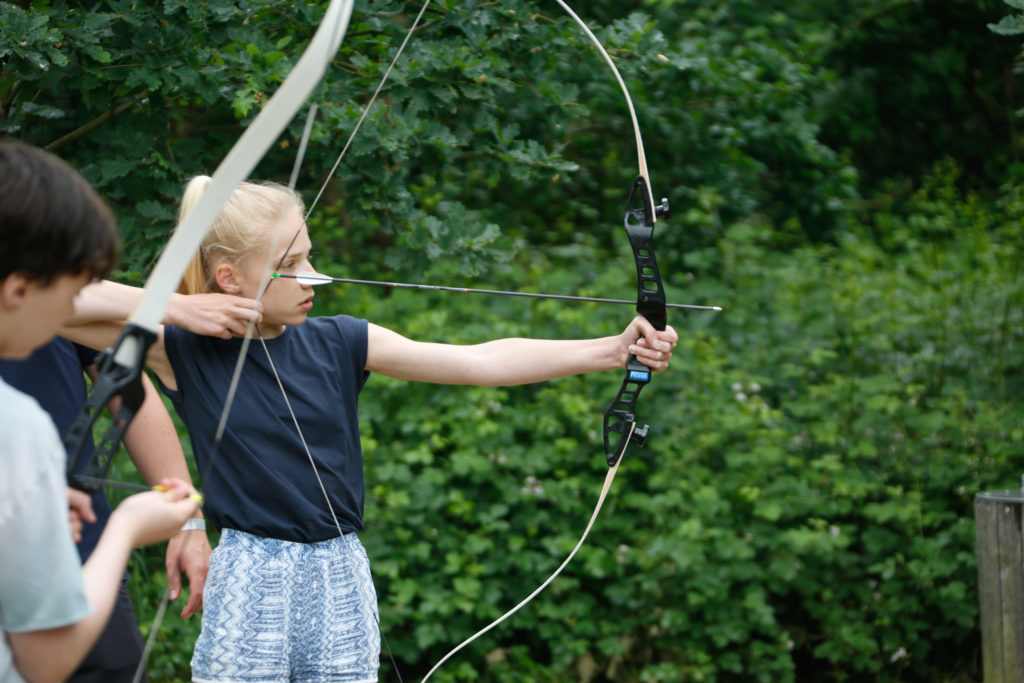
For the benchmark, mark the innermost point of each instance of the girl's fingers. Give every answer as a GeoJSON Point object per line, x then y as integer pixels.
{"type": "Point", "coordinates": [655, 349]}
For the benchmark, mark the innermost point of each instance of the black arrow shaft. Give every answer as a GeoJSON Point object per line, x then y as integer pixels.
{"type": "Point", "coordinates": [494, 292]}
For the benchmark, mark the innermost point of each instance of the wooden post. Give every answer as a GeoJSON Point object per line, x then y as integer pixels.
{"type": "Point", "coordinates": [1000, 542]}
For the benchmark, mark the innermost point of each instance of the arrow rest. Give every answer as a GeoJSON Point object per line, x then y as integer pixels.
{"type": "Point", "coordinates": [115, 381]}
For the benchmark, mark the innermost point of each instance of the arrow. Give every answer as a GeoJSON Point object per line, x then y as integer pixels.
{"type": "Point", "coordinates": [314, 279]}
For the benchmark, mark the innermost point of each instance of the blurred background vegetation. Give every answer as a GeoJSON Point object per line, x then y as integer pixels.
{"type": "Point", "coordinates": [845, 181]}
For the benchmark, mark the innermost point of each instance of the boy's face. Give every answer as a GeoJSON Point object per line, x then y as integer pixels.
{"type": "Point", "coordinates": [33, 313]}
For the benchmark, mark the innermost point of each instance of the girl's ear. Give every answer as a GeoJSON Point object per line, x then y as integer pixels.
{"type": "Point", "coordinates": [226, 279]}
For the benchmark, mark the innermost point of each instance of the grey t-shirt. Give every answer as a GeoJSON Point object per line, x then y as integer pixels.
{"type": "Point", "coordinates": [41, 583]}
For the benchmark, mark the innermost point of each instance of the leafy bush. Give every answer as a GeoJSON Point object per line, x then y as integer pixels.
{"type": "Point", "coordinates": [803, 509]}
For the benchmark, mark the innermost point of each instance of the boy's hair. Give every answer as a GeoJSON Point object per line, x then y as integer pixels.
{"type": "Point", "coordinates": [52, 223]}
{"type": "Point", "coordinates": [239, 231]}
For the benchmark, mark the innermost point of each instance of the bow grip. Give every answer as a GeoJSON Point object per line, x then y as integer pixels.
{"type": "Point", "coordinates": [620, 417]}
{"type": "Point", "coordinates": [115, 380]}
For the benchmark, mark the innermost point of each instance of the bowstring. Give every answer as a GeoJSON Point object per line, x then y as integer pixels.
{"type": "Point", "coordinates": [608, 479]}
{"type": "Point", "coordinates": [228, 401]}
{"type": "Point", "coordinates": [160, 284]}
{"type": "Point", "coordinates": [642, 163]}
{"type": "Point", "coordinates": [267, 279]}
{"type": "Point", "coordinates": [366, 110]}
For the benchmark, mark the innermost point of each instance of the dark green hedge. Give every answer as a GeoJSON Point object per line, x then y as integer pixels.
{"type": "Point", "coordinates": [803, 508]}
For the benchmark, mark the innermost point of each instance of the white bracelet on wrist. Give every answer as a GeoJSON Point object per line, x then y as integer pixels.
{"type": "Point", "coordinates": [195, 524]}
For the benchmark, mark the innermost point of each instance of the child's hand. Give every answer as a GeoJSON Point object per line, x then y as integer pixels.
{"type": "Point", "coordinates": [213, 315]}
{"type": "Point", "coordinates": [79, 509]}
{"type": "Point", "coordinates": [653, 348]}
{"type": "Point", "coordinates": [157, 515]}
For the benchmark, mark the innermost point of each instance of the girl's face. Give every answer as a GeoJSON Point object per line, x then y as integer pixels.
{"type": "Point", "coordinates": [286, 302]}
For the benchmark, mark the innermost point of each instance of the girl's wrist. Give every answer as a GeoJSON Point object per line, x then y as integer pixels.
{"type": "Point", "coordinates": [194, 524]}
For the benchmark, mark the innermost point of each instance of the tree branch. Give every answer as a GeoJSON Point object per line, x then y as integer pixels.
{"type": "Point", "coordinates": [103, 118]}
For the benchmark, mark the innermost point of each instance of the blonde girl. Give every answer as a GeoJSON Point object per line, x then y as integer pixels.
{"type": "Point", "coordinates": [289, 595]}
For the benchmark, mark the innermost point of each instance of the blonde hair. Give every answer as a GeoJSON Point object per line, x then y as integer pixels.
{"type": "Point", "coordinates": [239, 230]}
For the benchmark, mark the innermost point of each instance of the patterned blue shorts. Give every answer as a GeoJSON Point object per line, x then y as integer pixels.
{"type": "Point", "coordinates": [276, 611]}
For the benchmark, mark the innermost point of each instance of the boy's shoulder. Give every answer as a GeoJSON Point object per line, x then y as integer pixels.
{"type": "Point", "coordinates": [19, 411]}
{"type": "Point", "coordinates": [30, 450]}
{"type": "Point", "coordinates": [30, 439]}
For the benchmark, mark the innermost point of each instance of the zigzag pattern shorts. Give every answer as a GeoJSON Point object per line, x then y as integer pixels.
{"type": "Point", "coordinates": [277, 611]}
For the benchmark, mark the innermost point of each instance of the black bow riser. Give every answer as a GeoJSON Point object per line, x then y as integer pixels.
{"type": "Point", "coordinates": [620, 417]}
{"type": "Point", "coordinates": [115, 380]}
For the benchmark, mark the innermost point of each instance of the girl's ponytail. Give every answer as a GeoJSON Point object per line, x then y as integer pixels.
{"type": "Point", "coordinates": [195, 280]}
{"type": "Point", "coordinates": [240, 229]}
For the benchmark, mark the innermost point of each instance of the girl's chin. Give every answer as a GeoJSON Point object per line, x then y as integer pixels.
{"type": "Point", "coordinates": [272, 328]}
{"type": "Point", "coordinates": [293, 319]}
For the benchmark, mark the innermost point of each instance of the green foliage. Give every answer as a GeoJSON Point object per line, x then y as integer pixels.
{"type": "Point", "coordinates": [803, 508]}
{"type": "Point", "coordinates": [885, 368]}
{"type": "Point", "coordinates": [1011, 24]}
{"type": "Point", "coordinates": [904, 98]}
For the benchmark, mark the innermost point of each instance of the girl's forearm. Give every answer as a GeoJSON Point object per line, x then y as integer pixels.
{"type": "Point", "coordinates": [503, 362]}
{"type": "Point", "coordinates": [506, 362]}
{"type": "Point", "coordinates": [105, 301]}
{"type": "Point", "coordinates": [95, 335]}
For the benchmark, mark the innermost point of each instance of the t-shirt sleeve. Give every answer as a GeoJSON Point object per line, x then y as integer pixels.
{"type": "Point", "coordinates": [86, 356]}
{"type": "Point", "coordinates": [183, 356]}
{"type": "Point", "coordinates": [41, 583]}
{"type": "Point", "coordinates": [172, 341]}
{"type": "Point", "coordinates": [354, 346]}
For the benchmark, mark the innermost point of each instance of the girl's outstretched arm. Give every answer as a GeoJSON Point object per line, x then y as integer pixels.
{"type": "Point", "coordinates": [515, 360]}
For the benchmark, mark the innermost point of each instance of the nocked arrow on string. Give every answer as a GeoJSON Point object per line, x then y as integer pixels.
{"type": "Point", "coordinates": [313, 279]}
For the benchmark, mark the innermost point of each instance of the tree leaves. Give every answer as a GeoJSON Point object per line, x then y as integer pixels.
{"type": "Point", "coordinates": [802, 510]}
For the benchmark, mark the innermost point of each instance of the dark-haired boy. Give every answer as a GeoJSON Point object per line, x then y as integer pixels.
{"type": "Point", "coordinates": [56, 235]}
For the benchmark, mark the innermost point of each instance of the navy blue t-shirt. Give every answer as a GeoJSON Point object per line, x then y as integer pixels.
{"type": "Point", "coordinates": [52, 375]}
{"type": "Point", "coordinates": [260, 479]}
